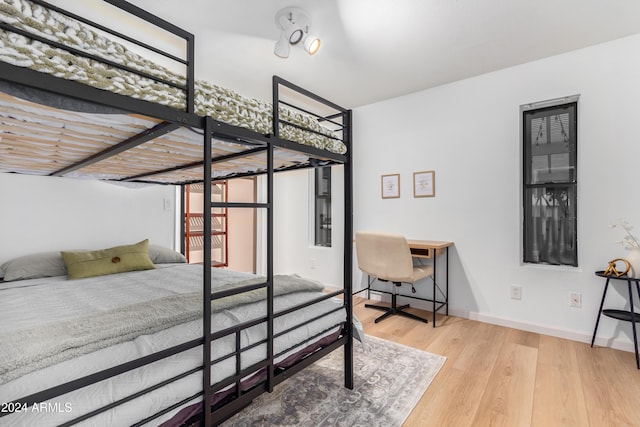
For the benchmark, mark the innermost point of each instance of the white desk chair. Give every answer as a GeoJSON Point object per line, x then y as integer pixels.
{"type": "Point", "coordinates": [387, 257]}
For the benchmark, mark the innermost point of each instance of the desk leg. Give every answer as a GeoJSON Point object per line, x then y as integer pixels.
{"type": "Point", "coordinates": [435, 259]}
{"type": "Point", "coordinates": [638, 291]}
{"type": "Point", "coordinates": [604, 294]}
{"type": "Point", "coordinates": [446, 298]}
{"type": "Point", "coordinates": [633, 324]}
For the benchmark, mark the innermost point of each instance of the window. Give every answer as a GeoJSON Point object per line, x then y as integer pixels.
{"type": "Point", "coordinates": [550, 182]}
{"type": "Point", "coordinates": [323, 206]}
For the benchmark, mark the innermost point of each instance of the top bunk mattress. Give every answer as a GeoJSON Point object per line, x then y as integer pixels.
{"type": "Point", "coordinates": [210, 100]}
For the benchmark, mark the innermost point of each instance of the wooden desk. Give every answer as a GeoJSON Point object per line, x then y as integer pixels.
{"type": "Point", "coordinates": [431, 249]}
{"type": "Point", "coordinates": [426, 248]}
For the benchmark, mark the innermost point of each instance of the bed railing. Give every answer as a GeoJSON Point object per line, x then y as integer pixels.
{"type": "Point", "coordinates": [290, 97]}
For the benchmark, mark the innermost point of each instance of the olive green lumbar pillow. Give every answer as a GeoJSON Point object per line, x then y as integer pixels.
{"type": "Point", "coordinates": [118, 259]}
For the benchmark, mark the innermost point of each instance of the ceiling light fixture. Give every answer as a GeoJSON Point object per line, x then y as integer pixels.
{"type": "Point", "coordinates": [293, 24]}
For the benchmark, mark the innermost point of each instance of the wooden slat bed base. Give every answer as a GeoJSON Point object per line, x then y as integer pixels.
{"type": "Point", "coordinates": [41, 140]}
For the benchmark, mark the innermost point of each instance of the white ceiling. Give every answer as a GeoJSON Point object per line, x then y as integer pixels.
{"type": "Point", "coordinates": [378, 49]}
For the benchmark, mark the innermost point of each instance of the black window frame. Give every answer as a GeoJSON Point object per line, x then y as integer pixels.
{"type": "Point", "coordinates": [557, 189]}
{"type": "Point", "coordinates": [322, 207]}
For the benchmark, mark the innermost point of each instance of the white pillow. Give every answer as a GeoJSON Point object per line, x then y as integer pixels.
{"type": "Point", "coordinates": [33, 266]}
{"type": "Point", "coordinates": [162, 255]}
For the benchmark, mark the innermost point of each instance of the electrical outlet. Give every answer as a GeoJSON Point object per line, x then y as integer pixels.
{"type": "Point", "coordinates": [516, 292]}
{"type": "Point", "coordinates": [575, 299]}
{"type": "Point", "coordinates": [312, 263]}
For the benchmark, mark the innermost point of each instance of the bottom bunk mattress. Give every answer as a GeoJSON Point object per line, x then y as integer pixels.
{"type": "Point", "coordinates": [54, 330]}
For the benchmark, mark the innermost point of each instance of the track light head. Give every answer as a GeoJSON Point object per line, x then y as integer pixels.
{"type": "Point", "coordinates": [311, 44]}
{"type": "Point", "coordinates": [283, 47]}
{"type": "Point", "coordinates": [291, 31]}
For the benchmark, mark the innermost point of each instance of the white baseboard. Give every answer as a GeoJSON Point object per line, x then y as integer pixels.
{"type": "Point", "coordinates": [544, 329]}
{"type": "Point", "coordinates": [524, 326]}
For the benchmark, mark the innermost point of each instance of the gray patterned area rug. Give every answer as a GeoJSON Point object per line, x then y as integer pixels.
{"type": "Point", "coordinates": [389, 380]}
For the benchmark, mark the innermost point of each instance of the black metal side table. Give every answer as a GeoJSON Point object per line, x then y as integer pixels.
{"type": "Point", "coordinates": [627, 316]}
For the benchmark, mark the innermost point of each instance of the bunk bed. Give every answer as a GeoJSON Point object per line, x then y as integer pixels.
{"type": "Point", "coordinates": [79, 99]}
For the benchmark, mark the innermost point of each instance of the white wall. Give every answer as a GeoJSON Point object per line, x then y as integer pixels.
{"type": "Point", "coordinates": [468, 132]}
{"type": "Point", "coordinates": [45, 213]}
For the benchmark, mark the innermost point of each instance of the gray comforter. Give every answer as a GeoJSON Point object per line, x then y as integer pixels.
{"type": "Point", "coordinates": [108, 310]}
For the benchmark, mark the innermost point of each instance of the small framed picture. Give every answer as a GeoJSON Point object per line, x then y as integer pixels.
{"type": "Point", "coordinates": [424, 184]}
{"type": "Point", "coordinates": [391, 186]}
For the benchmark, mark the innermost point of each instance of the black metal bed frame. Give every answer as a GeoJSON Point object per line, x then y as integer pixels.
{"type": "Point", "coordinates": [213, 129]}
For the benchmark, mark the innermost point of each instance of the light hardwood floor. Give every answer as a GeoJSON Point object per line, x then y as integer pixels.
{"type": "Point", "coordinates": [497, 376]}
